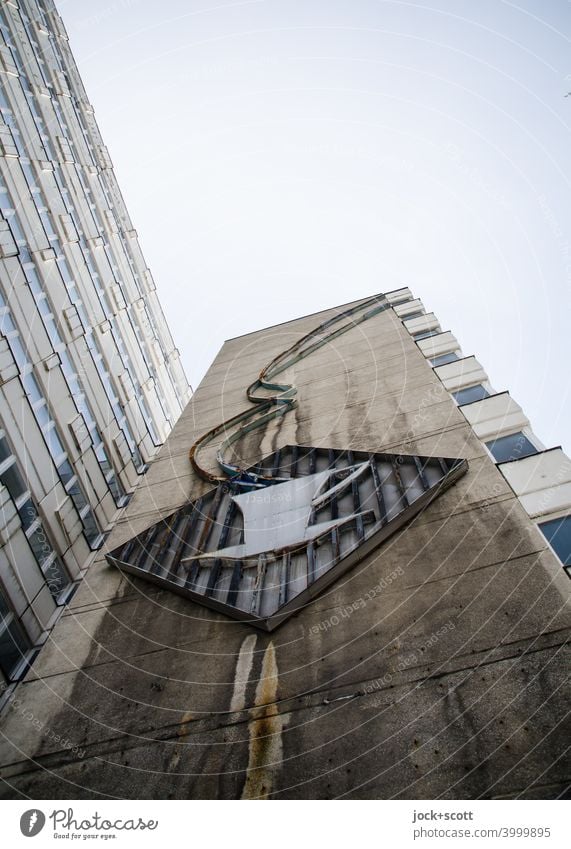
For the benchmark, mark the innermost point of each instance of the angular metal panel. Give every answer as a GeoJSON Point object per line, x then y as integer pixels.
{"type": "Point", "coordinates": [260, 553]}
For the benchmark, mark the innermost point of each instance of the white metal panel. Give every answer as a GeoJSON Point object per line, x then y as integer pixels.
{"type": "Point", "coordinates": [442, 343]}
{"type": "Point", "coordinates": [21, 584]}
{"type": "Point", "coordinates": [498, 415]}
{"type": "Point", "coordinates": [8, 246]}
{"type": "Point", "coordinates": [402, 310]}
{"type": "Point", "coordinates": [541, 481]}
{"type": "Point", "coordinates": [68, 519]}
{"type": "Point", "coordinates": [399, 295]}
{"type": "Point", "coordinates": [73, 321]}
{"type": "Point", "coordinates": [6, 62]}
{"type": "Point", "coordinates": [7, 145]}
{"type": "Point", "coordinates": [8, 366]}
{"type": "Point", "coordinates": [80, 433]}
{"type": "Point", "coordinates": [422, 324]}
{"type": "Point", "coordinates": [460, 373]}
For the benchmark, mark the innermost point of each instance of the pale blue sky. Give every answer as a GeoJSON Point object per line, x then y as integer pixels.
{"type": "Point", "coordinates": [279, 157]}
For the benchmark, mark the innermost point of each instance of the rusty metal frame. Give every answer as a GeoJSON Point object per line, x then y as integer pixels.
{"type": "Point", "coordinates": [181, 575]}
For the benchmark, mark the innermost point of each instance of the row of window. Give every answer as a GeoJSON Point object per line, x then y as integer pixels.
{"type": "Point", "coordinates": [11, 476]}
{"type": "Point", "coordinates": [14, 644]}
{"type": "Point", "coordinates": [558, 534]}
{"type": "Point", "coordinates": [48, 427]}
{"type": "Point", "coordinates": [443, 359]}
{"type": "Point", "coordinates": [37, 130]}
{"type": "Point", "coordinates": [505, 449]}
{"type": "Point", "coordinates": [469, 394]}
{"type": "Point", "coordinates": [71, 377]}
{"type": "Point", "coordinates": [40, 296]}
{"type": "Point", "coordinates": [47, 223]}
{"type": "Point", "coordinates": [63, 128]}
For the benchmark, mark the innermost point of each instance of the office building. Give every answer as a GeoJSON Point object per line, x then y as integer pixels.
{"type": "Point", "coordinates": [90, 380]}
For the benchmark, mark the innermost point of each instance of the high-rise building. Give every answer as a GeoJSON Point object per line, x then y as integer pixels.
{"type": "Point", "coordinates": [90, 380]}
{"type": "Point", "coordinates": [343, 575]}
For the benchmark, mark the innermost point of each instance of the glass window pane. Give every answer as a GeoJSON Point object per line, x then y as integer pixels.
{"type": "Point", "coordinates": [425, 334]}
{"type": "Point", "coordinates": [65, 472]}
{"type": "Point", "coordinates": [77, 496]}
{"type": "Point", "coordinates": [470, 394]}
{"type": "Point", "coordinates": [52, 330]}
{"type": "Point", "coordinates": [54, 443]}
{"type": "Point", "coordinates": [511, 447]}
{"type": "Point", "coordinates": [5, 451]}
{"type": "Point", "coordinates": [116, 488]}
{"type": "Point", "coordinates": [90, 528]}
{"type": "Point", "coordinates": [33, 280]}
{"type": "Point", "coordinates": [558, 533]}
{"type": "Point", "coordinates": [28, 513]}
{"type": "Point", "coordinates": [13, 481]}
{"type": "Point", "coordinates": [18, 351]}
{"type": "Point", "coordinates": [56, 577]}
{"type": "Point", "coordinates": [4, 608]}
{"type": "Point", "coordinates": [44, 308]}
{"type": "Point", "coordinates": [32, 388]}
{"type": "Point", "coordinates": [41, 413]}
{"type": "Point", "coordinates": [40, 544]}
{"type": "Point", "coordinates": [442, 359]}
{"type": "Point", "coordinates": [13, 646]}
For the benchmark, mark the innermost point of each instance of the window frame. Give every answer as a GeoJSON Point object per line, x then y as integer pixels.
{"type": "Point", "coordinates": [526, 433]}
{"type": "Point", "coordinates": [453, 354]}
{"type": "Point", "coordinates": [543, 520]}
{"type": "Point", "coordinates": [455, 392]}
{"type": "Point", "coordinates": [10, 622]}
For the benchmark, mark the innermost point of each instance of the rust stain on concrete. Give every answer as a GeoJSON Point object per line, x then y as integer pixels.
{"type": "Point", "coordinates": [265, 729]}
{"type": "Point", "coordinates": [183, 729]}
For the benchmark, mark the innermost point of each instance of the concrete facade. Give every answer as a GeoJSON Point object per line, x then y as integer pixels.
{"type": "Point", "coordinates": [435, 668]}
{"type": "Point", "coordinates": [90, 380]}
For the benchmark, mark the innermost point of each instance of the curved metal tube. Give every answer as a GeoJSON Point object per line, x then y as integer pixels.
{"type": "Point", "coordinates": [283, 400]}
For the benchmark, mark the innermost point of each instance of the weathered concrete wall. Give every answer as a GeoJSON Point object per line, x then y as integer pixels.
{"type": "Point", "coordinates": [435, 668]}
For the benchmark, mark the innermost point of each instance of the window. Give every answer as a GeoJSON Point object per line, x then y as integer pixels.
{"type": "Point", "coordinates": [558, 534]}
{"type": "Point", "coordinates": [511, 447]}
{"type": "Point", "coordinates": [14, 644]}
{"type": "Point", "coordinates": [470, 394]}
{"type": "Point", "coordinates": [27, 512]}
{"type": "Point", "coordinates": [442, 359]}
{"type": "Point", "coordinates": [425, 334]}
{"type": "Point", "coordinates": [13, 480]}
{"type": "Point", "coordinates": [10, 476]}
{"type": "Point", "coordinates": [415, 314]}
{"type": "Point", "coordinates": [74, 384]}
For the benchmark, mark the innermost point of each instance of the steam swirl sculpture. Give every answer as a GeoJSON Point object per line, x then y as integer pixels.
{"type": "Point", "coordinates": [265, 540]}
